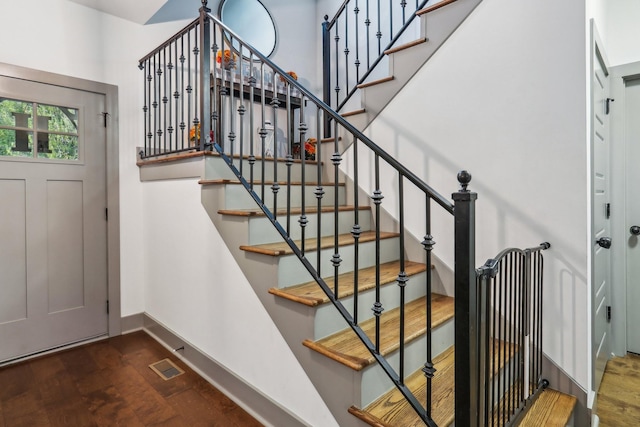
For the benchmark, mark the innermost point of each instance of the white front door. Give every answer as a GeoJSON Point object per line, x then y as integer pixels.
{"type": "Point", "coordinates": [600, 214]}
{"type": "Point", "coordinates": [632, 137]}
{"type": "Point", "coordinates": [53, 249]}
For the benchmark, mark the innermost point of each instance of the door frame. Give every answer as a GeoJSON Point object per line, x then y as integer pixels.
{"type": "Point", "coordinates": [620, 75]}
{"type": "Point", "coordinates": [110, 93]}
{"type": "Point", "coordinates": [598, 55]}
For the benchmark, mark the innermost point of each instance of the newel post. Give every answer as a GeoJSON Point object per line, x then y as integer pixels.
{"type": "Point", "coordinates": [326, 72]}
{"type": "Point", "coordinates": [466, 303]}
{"type": "Point", "coordinates": [205, 77]}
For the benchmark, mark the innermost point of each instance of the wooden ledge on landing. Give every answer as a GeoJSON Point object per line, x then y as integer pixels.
{"type": "Point", "coordinates": [176, 157]}
{"type": "Point", "coordinates": [345, 347]}
{"type": "Point", "coordinates": [282, 248]}
{"type": "Point", "coordinates": [436, 6]}
{"type": "Point", "coordinates": [312, 295]}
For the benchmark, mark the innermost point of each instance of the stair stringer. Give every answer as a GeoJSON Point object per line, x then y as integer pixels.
{"type": "Point", "coordinates": [338, 385]}
{"type": "Point", "coordinates": [436, 26]}
{"type": "Point", "coordinates": [334, 382]}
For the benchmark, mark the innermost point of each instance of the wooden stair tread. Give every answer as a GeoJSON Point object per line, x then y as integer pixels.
{"type": "Point", "coordinates": [175, 157]}
{"type": "Point", "coordinates": [308, 210]}
{"type": "Point", "coordinates": [312, 295]}
{"type": "Point", "coordinates": [436, 6]}
{"type": "Point", "coordinates": [405, 46]}
{"type": "Point", "coordinates": [551, 409]}
{"type": "Point", "coordinates": [220, 181]}
{"type": "Point", "coordinates": [282, 248]}
{"type": "Point", "coordinates": [393, 410]}
{"type": "Point", "coordinates": [353, 113]}
{"type": "Point", "coordinates": [345, 346]}
{"type": "Point", "coordinates": [375, 82]}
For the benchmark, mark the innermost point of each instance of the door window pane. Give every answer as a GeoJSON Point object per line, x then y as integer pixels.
{"type": "Point", "coordinates": [56, 130]}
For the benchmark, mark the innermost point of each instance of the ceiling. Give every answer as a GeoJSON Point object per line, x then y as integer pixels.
{"type": "Point", "coordinates": [147, 11]}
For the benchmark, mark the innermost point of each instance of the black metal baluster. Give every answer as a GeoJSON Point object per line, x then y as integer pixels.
{"type": "Point", "coordinates": [390, 19]}
{"type": "Point", "coordinates": [428, 244]}
{"type": "Point", "coordinates": [190, 101]}
{"type": "Point", "coordinates": [196, 94]}
{"type": "Point", "coordinates": [319, 191]}
{"type": "Point", "coordinates": [403, 5]}
{"type": "Point", "coordinates": [183, 89]}
{"type": "Point", "coordinates": [263, 131]}
{"type": "Point", "coordinates": [379, 32]}
{"type": "Point", "coordinates": [147, 103]}
{"type": "Point", "coordinates": [154, 104]}
{"type": "Point", "coordinates": [367, 23]}
{"type": "Point", "coordinates": [356, 12]}
{"type": "Point", "coordinates": [346, 51]}
{"type": "Point", "coordinates": [496, 372]}
{"type": "Point", "coordinates": [166, 99]}
{"type": "Point", "coordinates": [356, 231]}
{"type": "Point", "coordinates": [492, 353]}
{"type": "Point", "coordinates": [377, 200]}
{"type": "Point", "coordinates": [232, 99]}
{"type": "Point", "coordinates": [303, 220]}
{"type": "Point", "coordinates": [402, 276]}
{"type": "Point", "coordinates": [216, 99]}
{"type": "Point", "coordinates": [241, 111]}
{"type": "Point", "coordinates": [336, 259]}
{"type": "Point", "coordinates": [275, 187]}
{"type": "Point", "coordinates": [252, 87]}
{"type": "Point", "coordinates": [336, 38]}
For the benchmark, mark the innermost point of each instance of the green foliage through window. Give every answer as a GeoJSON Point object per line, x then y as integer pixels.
{"type": "Point", "coordinates": [56, 130]}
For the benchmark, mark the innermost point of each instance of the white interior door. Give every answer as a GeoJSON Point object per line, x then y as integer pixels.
{"type": "Point", "coordinates": [53, 250]}
{"type": "Point", "coordinates": [632, 137]}
{"type": "Point", "coordinates": [600, 214]}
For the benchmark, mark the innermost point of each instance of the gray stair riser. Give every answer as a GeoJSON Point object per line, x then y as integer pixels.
{"type": "Point", "coordinates": [261, 231]}
{"type": "Point", "coordinates": [328, 321]}
{"type": "Point", "coordinates": [292, 272]}
{"type": "Point", "coordinates": [236, 197]}
{"type": "Point", "coordinates": [375, 382]}
{"type": "Point", "coordinates": [216, 168]}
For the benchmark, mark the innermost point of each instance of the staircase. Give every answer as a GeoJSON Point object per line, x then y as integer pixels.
{"type": "Point", "coordinates": [356, 295]}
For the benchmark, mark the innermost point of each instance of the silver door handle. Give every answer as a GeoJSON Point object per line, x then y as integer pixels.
{"type": "Point", "coordinates": [635, 230]}
{"type": "Point", "coordinates": [604, 242]}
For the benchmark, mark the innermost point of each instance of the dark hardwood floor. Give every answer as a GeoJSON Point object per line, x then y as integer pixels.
{"type": "Point", "coordinates": [109, 383]}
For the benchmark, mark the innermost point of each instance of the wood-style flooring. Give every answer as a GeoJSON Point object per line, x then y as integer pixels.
{"type": "Point", "coordinates": [109, 383]}
{"type": "Point", "coordinates": [619, 394]}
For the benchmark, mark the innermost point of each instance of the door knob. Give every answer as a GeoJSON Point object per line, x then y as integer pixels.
{"type": "Point", "coordinates": [604, 242]}
{"type": "Point", "coordinates": [635, 230]}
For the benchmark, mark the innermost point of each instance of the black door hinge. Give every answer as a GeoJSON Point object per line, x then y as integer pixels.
{"type": "Point", "coordinates": [608, 313]}
{"type": "Point", "coordinates": [106, 214]}
{"type": "Point", "coordinates": [105, 115]}
{"type": "Point", "coordinates": [107, 306]}
{"type": "Point", "coordinates": [607, 210]}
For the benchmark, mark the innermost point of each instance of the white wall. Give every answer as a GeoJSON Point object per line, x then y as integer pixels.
{"type": "Point", "coordinates": [506, 100]}
{"type": "Point", "coordinates": [195, 287]}
{"type": "Point", "coordinates": [623, 31]}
